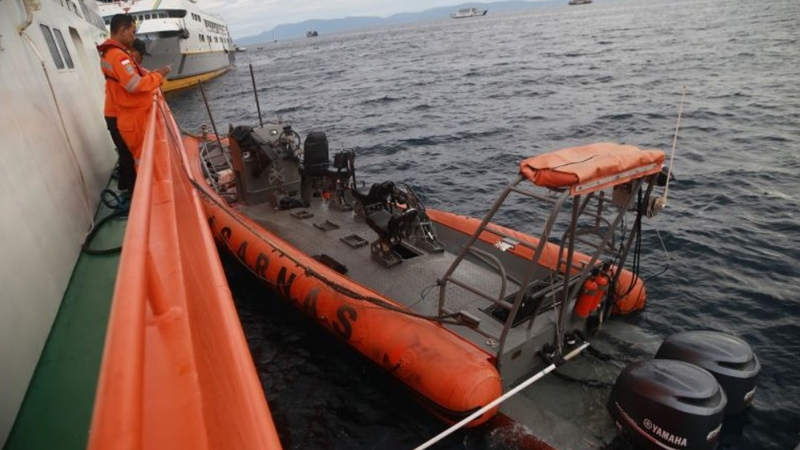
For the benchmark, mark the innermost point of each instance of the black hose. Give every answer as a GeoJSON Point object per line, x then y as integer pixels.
{"type": "Point", "coordinates": [120, 208]}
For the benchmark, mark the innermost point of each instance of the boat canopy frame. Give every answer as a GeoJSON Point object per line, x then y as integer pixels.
{"type": "Point", "coordinates": [565, 175]}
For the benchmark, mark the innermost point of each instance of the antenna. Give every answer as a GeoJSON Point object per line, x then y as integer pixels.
{"type": "Point", "coordinates": [659, 203]}
{"type": "Point", "coordinates": [255, 92]}
{"type": "Point", "coordinates": [674, 144]}
{"type": "Point", "coordinates": [213, 125]}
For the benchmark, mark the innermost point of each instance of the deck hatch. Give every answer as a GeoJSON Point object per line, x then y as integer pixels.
{"type": "Point", "coordinates": [354, 240]}
{"type": "Point", "coordinates": [327, 226]}
{"type": "Point", "coordinates": [302, 214]}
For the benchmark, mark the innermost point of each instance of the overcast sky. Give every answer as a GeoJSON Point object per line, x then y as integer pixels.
{"type": "Point", "coordinates": [250, 17]}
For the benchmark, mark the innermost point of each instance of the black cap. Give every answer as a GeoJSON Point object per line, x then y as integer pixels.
{"type": "Point", "coordinates": [139, 46]}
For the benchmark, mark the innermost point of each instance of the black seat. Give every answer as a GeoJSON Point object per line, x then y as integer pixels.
{"type": "Point", "coordinates": [399, 225]}
{"type": "Point", "coordinates": [315, 154]}
{"type": "Point", "coordinates": [378, 192]}
{"type": "Point", "coordinates": [376, 199]}
{"type": "Point", "coordinates": [391, 228]}
{"type": "Point", "coordinates": [343, 173]}
{"type": "Point", "coordinates": [379, 222]}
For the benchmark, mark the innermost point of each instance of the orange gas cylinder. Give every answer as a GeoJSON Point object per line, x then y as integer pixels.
{"type": "Point", "coordinates": [602, 285]}
{"type": "Point", "coordinates": [589, 298]}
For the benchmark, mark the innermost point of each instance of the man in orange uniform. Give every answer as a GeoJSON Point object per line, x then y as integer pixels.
{"type": "Point", "coordinates": [128, 87]}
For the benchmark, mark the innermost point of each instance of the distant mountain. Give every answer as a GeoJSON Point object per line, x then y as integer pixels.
{"type": "Point", "coordinates": [323, 27]}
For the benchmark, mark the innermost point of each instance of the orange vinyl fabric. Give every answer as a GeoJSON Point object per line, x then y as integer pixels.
{"type": "Point", "coordinates": [176, 370]}
{"type": "Point", "coordinates": [591, 167]}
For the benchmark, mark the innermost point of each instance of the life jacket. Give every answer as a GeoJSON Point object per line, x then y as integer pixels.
{"type": "Point", "coordinates": [128, 87]}
{"type": "Point", "coordinates": [109, 107]}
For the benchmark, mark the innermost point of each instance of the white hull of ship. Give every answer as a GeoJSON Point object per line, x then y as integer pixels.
{"type": "Point", "coordinates": [191, 64]}
{"type": "Point", "coordinates": [57, 156]}
{"type": "Point", "coordinates": [166, 51]}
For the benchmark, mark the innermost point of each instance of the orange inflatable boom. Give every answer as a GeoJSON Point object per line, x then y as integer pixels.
{"type": "Point", "coordinates": [176, 370]}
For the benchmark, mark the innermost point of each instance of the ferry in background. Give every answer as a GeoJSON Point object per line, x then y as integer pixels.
{"type": "Point", "coordinates": [579, 2]}
{"type": "Point", "coordinates": [196, 44]}
{"type": "Point", "coordinates": [469, 12]}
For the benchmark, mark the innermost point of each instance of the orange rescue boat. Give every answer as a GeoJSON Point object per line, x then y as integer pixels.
{"type": "Point", "coordinates": [365, 261]}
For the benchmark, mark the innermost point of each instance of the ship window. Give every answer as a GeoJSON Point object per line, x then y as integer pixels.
{"type": "Point", "coordinates": [63, 47]}
{"type": "Point", "coordinates": [51, 44]}
{"type": "Point", "coordinates": [162, 15]}
{"type": "Point", "coordinates": [202, 38]}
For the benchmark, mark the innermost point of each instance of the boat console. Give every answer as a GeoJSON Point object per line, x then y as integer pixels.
{"type": "Point", "coordinates": [265, 164]}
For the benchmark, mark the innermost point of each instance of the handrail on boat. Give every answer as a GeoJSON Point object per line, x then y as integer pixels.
{"type": "Point", "coordinates": [176, 370]}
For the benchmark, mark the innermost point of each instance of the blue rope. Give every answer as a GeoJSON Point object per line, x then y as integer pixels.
{"type": "Point", "coordinates": [114, 201]}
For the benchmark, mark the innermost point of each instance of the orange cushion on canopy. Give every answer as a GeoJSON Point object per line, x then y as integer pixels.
{"type": "Point", "coordinates": [591, 167]}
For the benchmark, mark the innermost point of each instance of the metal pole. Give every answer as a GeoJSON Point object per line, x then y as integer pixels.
{"type": "Point", "coordinates": [561, 320]}
{"type": "Point", "coordinates": [255, 92]}
{"type": "Point", "coordinates": [499, 400]}
{"type": "Point", "coordinates": [213, 125]}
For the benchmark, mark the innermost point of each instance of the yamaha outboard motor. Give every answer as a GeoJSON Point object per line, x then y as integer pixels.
{"type": "Point", "coordinates": [662, 403]}
{"type": "Point", "coordinates": [728, 358]}
{"type": "Point", "coordinates": [315, 154]}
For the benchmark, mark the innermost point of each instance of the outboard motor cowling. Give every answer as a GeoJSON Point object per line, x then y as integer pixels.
{"type": "Point", "coordinates": [315, 154]}
{"type": "Point", "coordinates": [665, 403]}
{"type": "Point", "coordinates": [730, 359]}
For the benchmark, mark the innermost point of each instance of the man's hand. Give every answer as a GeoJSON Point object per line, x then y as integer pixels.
{"type": "Point", "coordinates": [164, 70]}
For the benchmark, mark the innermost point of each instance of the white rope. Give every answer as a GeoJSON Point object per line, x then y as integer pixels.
{"type": "Point", "coordinates": [500, 399]}
{"type": "Point", "coordinates": [674, 144]}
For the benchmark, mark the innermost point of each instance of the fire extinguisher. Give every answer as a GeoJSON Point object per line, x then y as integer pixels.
{"type": "Point", "coordinates": [594, 288]}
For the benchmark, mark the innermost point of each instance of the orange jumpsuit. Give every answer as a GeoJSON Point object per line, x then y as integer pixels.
{"type": "Point", "coordinates": [130, 89]}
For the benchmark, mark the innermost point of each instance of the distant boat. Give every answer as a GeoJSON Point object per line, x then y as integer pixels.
{"type": "Point", "coordinates": [236, 48]}
{"type": "Point", "coordinates": [579, 2]}
{"type": "Point", "coordinates": [312, 33]}
{"type": "Point", "coordinates": [470, 12]}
